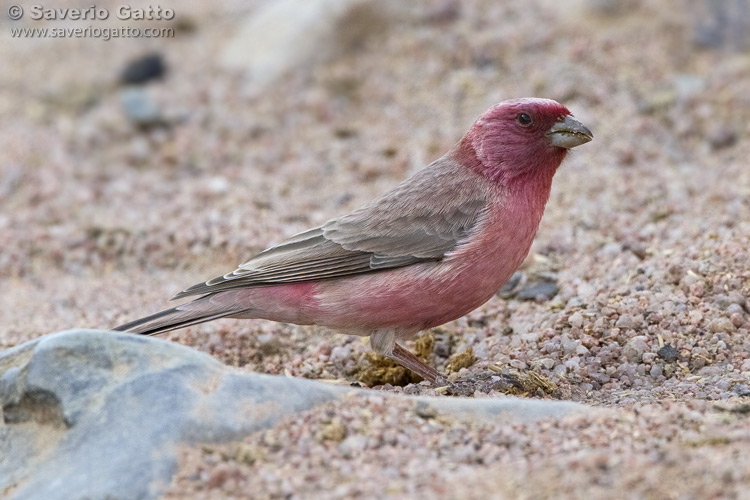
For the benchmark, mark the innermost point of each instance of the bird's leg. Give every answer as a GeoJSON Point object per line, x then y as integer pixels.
{"type": "Point", "coordinates": [413, 363]}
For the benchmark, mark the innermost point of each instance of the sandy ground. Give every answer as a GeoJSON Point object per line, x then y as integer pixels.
{"type": "Point", "coordinates": [646, 236]}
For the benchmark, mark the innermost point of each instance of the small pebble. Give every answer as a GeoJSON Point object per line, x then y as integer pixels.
{"type": "Point", "coordinates": [625, 321]}
{"type": "Point", "coordinates": [139, 107]}
{"type": "Point", "coordinates": [668, 353]}
{"type": "Point", "coordinates": [353, 445]}
{"type": "Point", "coordinates": [144, 69]}
{"type": "Point", "coordinates": [634, 349]}
{"type": "Point", "coordinates": [721, 325]}
{"type": "Point", "coordinates": [541, 291]}
{"type": "Point", "coordinates": [576, 319]}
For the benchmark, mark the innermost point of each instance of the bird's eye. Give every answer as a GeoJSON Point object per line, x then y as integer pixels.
{"type": "Point", "coordinates": [524, 119]}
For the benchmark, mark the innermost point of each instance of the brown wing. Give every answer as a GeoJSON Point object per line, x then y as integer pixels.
{"type": "Point", "coordinates": [422, 219]}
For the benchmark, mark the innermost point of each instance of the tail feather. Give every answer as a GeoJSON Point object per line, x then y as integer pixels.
{"type": "Point", "coordinates": [172, 319]}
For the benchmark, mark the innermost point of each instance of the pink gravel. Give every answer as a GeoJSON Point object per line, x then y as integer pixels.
{"type": "Point", "coordinates": [647, 235]}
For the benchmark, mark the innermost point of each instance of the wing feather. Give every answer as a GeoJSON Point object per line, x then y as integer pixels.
{"type": "Point", "coordinates": [422, 219]}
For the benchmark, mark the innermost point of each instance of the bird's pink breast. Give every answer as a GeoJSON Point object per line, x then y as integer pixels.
{"type": "Point", "coordinates": [431, 294]}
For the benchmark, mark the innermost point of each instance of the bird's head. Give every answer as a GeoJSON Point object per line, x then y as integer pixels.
{"type": "Point", "coordinates": [523, 138]}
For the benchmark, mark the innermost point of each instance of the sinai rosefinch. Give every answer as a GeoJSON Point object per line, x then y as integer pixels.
{"type": "Point", "coordinates": [431, 250]}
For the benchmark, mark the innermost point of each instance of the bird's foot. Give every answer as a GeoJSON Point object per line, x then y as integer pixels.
{"type": "Point", "coordinates": [411, 362]}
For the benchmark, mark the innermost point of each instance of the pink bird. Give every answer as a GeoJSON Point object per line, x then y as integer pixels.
{"type": "Point", "coordinates": [434, 248]}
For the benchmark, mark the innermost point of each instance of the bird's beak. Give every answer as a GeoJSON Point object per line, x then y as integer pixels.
{"type": "Point", "coordinates": [568, 133]}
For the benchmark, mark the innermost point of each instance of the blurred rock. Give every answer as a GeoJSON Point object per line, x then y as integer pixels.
{"type": "Point", "coordinates": [94, 414]}
{"type": "Point", "coordinates": [289, 36]}
{"type": "Point", "coordinates": [540, 290]}
{"type": "Point", "coordinates": [73, 98]}
{"type": "Point", "coordinates": [140, 108]}
{"type": "Point", "coordinates": [529, 286]}
{"type": "Point", "coordinates": [626, 321]}
{"type": "Point", "coordinates": [611, 7]}
{"type": "Point", "coordinates": [185, 24]}
{"type": "Point", "coordinates": [12, 179]}
{"type": "Point", "coordinates": [446, 12]}
{"type": "Point", "coordinates": [688, 85]}
{"type": "Point", "coordinates": [722, 136]}
{"type": "Point", "coordinates": [512, 286]}
{"type": "Point", "coordinates": [144, 69]}
{"type": "Point", "coordinates": [721, 23]}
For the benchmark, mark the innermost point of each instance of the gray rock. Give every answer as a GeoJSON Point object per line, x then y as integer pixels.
{"type": "Point", "coordinates": [688, 86]}
{"type": "Point", "coordinates": [626, 321]}
{"type": "Point", "coordinates": [576, 319]}
{"type": "Point", "coordinates": [353, 445]}
{"type": "Point", "coordinates": [94, 415]}
{"type": "Point", "coordinates": [634, 349]}
{"type": "Point", "coordinates": [140, 108]}
{"type": "Point", "coordinates": [511, 287]}
{"type": "Point", "coordinates": [719, 325]}
{"type": "Point", "coordinates": [522, 287]}
{"type": "Point", "coordinates": [721, 23]}
{"type": "Point", "coordinates": [540, 290]}
{"type": "Point", "coordinates": [289, 36]}
{"type": "Point", "coordinates": [507, 410]}
{"type": "Point", "coordinates": [90, 414]}
{"type": "Point", "coordinates": [613, 8]}
{"type": "Point", "coordinates": [568, 344]}
{"type": "Point", "coordinates": [668, 353]}
{"type": "Point", "coordinates": [144, 69]}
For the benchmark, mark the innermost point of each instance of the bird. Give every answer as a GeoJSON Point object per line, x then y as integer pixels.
{"type": "Point", "coordinates": [432, 249]}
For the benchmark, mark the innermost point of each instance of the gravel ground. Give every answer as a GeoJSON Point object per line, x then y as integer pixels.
{"type": "Point", "coordinates": [367, 449]}
{"type": "Point", "coordinates": [646, 237]}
